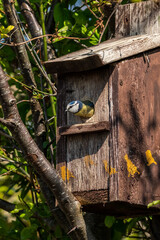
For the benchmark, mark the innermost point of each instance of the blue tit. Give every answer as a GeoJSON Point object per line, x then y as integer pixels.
{"type": "Point", "coordinates": [83, 109]}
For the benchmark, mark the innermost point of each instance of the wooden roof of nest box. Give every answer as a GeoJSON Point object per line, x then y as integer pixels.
{"type": "Point", "coordinates": [111, 160]}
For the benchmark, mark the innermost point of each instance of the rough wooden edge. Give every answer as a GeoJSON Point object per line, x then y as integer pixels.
{"type": "Point", "coordinates": [107, 52]}
{"type": "Point", "coordinates": [92, 196]}
{"type": "Point", "coordinates": [121, 209]}
{"type": "Point", "coordinates": [84, 128]}
{"type": "Point", "coordinates": [97, 201]}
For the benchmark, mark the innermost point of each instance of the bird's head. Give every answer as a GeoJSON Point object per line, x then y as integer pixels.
{"type": "Point", "coordinates": [74, 106]}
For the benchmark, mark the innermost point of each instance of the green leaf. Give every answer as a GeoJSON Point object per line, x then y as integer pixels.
{"type": "Point", "coordinates": [4, 31]}
{"type": "Point", "coordinates": [80, 17]}
{"type": "Point", "coordinates": [131, 223]}
{"type": "Point", "coordinates": [83, 29]}
{"type": "Point", "coordinates": [15, 211]}
{"type": "Point", "coordinates": [29, 232]}
{"type": "Point", "coordinates": [22, 215]}
{"type": "Point", "coordinates": [58, 14]}
{"type": "Point", "coordinates": [109, 221]}
{"type": "Point", "coordinates": [62, 31]}
{"type": "Point", "coordinates": [117, 235]}
{"type": "Point", "coordinates": [68, 23]}
{"type": "Point", "coordinates": [18, 207]}
{"type": "Point", "coordinates": [2, 152]}
{"type": "Point", "coordinates": [120, 226]}
{"type": "Point", "coordinates": [153, 203]}
{"type": "Point", "coordinates": [61, 14]}
{"type": "Point", "coordinates": [58, 232]}
{"type": "Point", "coordinates": [9, 28]}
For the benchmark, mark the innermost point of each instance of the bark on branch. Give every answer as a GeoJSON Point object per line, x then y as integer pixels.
{"type": "Point", "coordinates": [27, 73]}
{"type": "Point", "coordinates": [67, 202]}
{"type": "Point", "coordinates": [37, 113]}
{"type": "Point", "coordinates": [33, 25]}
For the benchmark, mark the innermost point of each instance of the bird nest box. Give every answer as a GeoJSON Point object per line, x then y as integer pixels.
{"type": "Point", "coordinates": [111, 161]}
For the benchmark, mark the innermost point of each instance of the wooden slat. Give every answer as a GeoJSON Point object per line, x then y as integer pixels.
{"type": "Point", "coordinates": [84, 128]}
{"type": "Point", "coordinates": [137, 19]}
{"type": "Point", "coordinates": [107, 52]}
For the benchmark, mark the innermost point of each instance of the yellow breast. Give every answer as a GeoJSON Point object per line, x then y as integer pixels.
{"type": "Point", "coordinates": [85, 112]}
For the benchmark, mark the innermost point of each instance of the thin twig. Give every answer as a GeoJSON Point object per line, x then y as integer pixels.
{"type": "Point", "coordinates": [91, 10]}
{"type": "Point", "coordinates": [7, 173]}
{"type": "Point", "coordinates": [6, 135]}
{"type": "Point", "coordinates": [143, 230]}
{"type": "Point", "coordinates": [36, 59]}
{"type": "Point", "coordinates": [104, 29]}
{"type": "Point", "coordinates": [17, 164]}
{"type": "Point", "coordinates": [31, 89]}
{"type": "Point", "coordinates": [47, 126]}
{"type": "Point", "coordinates": [3, 159]}
{"type": "Point", "coordinates": [5, 122]}
{"type": "Point", "coordinates": [23, 101]}
{"type": "Point", "coordinates": [49, 120]}
{"type": "Point", "coordinates": [12, 44]}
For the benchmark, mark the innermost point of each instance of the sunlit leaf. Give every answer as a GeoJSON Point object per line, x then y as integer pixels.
{"type": "Point", "coordinates": [29, 232]}
{"type": "Point", "coordinates": [153, 203]}
{"type": "Point", "coordinates": [109, 221]}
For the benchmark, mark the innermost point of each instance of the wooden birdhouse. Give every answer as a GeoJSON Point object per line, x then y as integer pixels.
{"type": "Point", "coordinates": [111, 161]}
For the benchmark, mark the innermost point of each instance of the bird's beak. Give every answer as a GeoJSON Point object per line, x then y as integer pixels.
{"type": "Point", "coordinates": [66, 110]}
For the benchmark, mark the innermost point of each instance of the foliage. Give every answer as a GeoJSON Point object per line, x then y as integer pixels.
{"type": "Point", "coordinates": [75, 26]}
{"type": "Point", "coordinates": [131, 228]}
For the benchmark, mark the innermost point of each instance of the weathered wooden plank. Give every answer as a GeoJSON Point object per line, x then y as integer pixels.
{"type": "Point", "coordinates": [92, 197]}
{"type": "Point", "coordinates": [113, 135]}
{"type": "Point", "coordinates": [120, 165]}
{"type": "Point", "coordinates": [84, 128]}
{"type": "Point", "coordinates": [107, 52]}
{"type": "Point", "coordinates": [91, 85]}
{"type": "Point", "coordinates": [82, 168]}
{"type": "Point", "coordinates": [122, 21]}
{"type": "Point", "coordinates": [137, 18]}
{"type": "Point", "coordinates": [61, 150]}
{"type": "Point", "coordinates": [138, 129]}
{"type": "Point", "coordinates": [88, 161]}
{"type": "Point", "coordinates": [117, 208]}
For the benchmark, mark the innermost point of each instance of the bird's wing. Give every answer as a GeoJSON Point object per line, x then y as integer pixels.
{"type": "Point", "coordinates": [88, 103]}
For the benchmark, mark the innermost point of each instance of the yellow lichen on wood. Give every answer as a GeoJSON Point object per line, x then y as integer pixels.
{"type": "Point", "coordinates": [108, 169]}
{"type": "Point", "coordinates": [112, 171]}
{"type": "Point", "coordinates": [150, 159]}
{"type": "Point", "coordinates": [132, 169]}
{"type": "Point", "coordinates": [88, 160]}
{"type": "Point", "coordinates": [66, 174]}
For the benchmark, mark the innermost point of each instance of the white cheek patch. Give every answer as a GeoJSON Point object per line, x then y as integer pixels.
{"type": "Point", "coordinates": [74, 109]}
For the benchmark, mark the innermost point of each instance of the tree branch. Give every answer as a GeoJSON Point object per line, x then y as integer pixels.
{"type": "Point", "coordinates": [67, 202]}
{"type": "Point", "coordinates": [6, 205]}
{"type": "Point", "coordinates": [37, 112]}
{"type": "Point", "coordinates": [34, 27]}
{"type": "Point", "coordinates": [27, 73]}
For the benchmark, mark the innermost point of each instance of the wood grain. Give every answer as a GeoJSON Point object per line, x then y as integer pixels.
{"type": "Point", "coordinates": [84, 128]}
{"type": "Point", "coordinates": [107, 52]}
{"type": "Point", "coordinates": [141, 19]}
{"type": "Point", "coordinates": [137, 18]}
{"type": "Point", "coordinates": [83, 149]}
{"type": "Point", "coordinates": [126, 99]}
